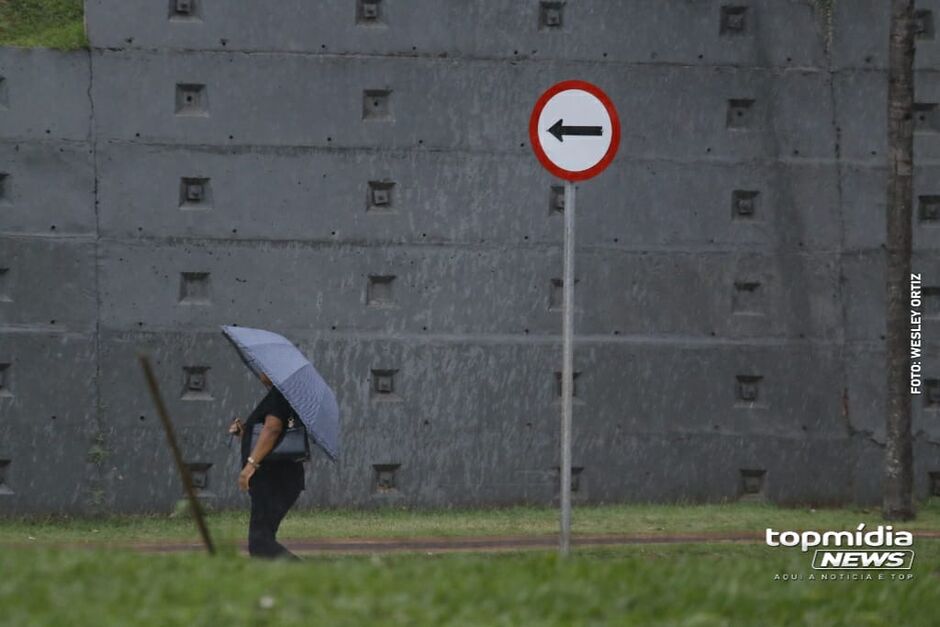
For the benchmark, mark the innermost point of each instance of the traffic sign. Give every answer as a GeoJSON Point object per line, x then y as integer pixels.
{"type": "Point", "coordinates": [574, 130]}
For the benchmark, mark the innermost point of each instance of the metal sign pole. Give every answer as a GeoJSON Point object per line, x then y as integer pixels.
{"type": "Point", "coordinates": [593, 132]}
{"type": "Point", "coordinates": [567, 373]}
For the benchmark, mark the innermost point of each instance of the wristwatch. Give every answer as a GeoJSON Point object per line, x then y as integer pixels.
{"type": "Point", "coordinates": [251, 460]}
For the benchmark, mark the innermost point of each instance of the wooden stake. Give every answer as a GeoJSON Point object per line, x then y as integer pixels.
{"type": "Point", "coordinates": [171, 439]}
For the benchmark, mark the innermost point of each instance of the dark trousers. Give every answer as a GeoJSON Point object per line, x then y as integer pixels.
{"type": "Point", "coordinates": [274, 489]}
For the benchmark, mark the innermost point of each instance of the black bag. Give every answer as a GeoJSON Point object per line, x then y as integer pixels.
{"type": "Point", "coordinates": [293, 445]}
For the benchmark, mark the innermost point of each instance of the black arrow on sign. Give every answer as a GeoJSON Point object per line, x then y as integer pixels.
{"type": "Point", "coordinates": [559, 130]}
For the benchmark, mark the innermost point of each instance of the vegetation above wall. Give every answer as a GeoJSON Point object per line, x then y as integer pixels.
{"type": "Point", "coordinates": [58, 24]}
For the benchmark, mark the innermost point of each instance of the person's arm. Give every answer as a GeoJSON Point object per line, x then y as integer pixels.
{"type": "Point", "coordinates": [273, 426]}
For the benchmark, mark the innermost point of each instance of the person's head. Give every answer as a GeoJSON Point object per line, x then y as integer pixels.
{"type": "Point", "coordinates": [265, 380]}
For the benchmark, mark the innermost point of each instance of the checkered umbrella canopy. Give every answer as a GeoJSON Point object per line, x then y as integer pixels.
{"type": "Point", "coordinates": [296, 378]}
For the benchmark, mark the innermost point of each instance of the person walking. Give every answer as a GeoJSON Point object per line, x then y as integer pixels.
{"type": "Point", "coordinates": [274, 486]}
{"type": "Point", "coordinates": [299, 408]}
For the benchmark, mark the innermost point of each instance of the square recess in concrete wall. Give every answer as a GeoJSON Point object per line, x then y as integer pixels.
{"type": "Point", "coordinates": [574, 385]}
{"type": "Point", "coordinates": [4, 99]}
{"type": "Point", "coordinates": [744, 204]}
{"type": "Point", "coordinates": [370, 13]}
{"type": "Point", "coordinates": [932, 394]}
{"type": "Point", "coordinates": [380, 291]}
{"type": "Point", "coordinates": [377, 105]}
{"type": "Point", "coordinates": [551, 16]}
{"type": "Point", "coordinates": [741, 114]}
{"type": "Point", "coordinates": [5, 189]}
{"type": "Point", "coordinates": [383, 385]}
{"type": "Point", "coordinates": [186, 10]}
{"type": "Point", "coordinates": [192, 99]}
{"type": "Point", "coordinates": [556, 294]}
{"type": "Point", "coordinates": [931, 296]}
{"type": "Point", "coordinates": [928, 209]}
{"type": "Point", "coordinates": [5, 286]}
{"type": "Point", "coordinates": [199, 471]}
{"type": "Point", "coordinates": [195, 193]}
{"type": "Point", "coordinates": [923, 24]}
{"type": "Point", "coordinates": [196, 384]}
{"type": "Point", "coordinates": [5, 381]}
{"type": "Point", "coordinates": [747, 390]}
{"type": "Point", "coordinates": [752, 483]}
{"type": "Point", "coordinates": [556, 200]}
{"type": "Point", "coordinates": [733, 20]}
{"type": "Point", "coordinates": [4, 485]}
{"type": "Point", "coordinates": [576, 479]}
{"type": "Point", "coordinates": [747, 298]}
{"type": "Point", "coordinates": [385, 477]}
{"type": "Point", "coordinates": [380, 198]}
{"type": "Point", "coordinates": [933, 479]}
{"type": "Point", "coordinates": [194, 288]}
{"type": "Point", "coordinates": [926, 117]}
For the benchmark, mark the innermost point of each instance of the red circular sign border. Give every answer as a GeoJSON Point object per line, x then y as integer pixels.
{"type": "Point", "coordinates": [547, 163]}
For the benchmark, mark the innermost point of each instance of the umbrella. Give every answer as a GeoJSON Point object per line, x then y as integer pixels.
{"type": "Point", "coordinates": [296, 378]}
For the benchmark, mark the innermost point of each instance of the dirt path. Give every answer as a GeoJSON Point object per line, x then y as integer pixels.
{"type": "Point", "coordinates": [474, 544]}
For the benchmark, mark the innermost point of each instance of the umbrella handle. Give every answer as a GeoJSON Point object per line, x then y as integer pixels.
{"type": "Point", "coordinates": [234, 435]}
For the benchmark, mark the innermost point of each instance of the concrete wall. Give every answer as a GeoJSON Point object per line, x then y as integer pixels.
{"type": "Point", "coordinates": [683, 301]}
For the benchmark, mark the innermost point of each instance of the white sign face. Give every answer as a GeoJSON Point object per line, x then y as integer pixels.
{"type": "Point", "coordinates": [575, 130]}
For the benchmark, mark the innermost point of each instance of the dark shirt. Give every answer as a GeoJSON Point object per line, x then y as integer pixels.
{"type": "Point", "coordinates": [273, 404]}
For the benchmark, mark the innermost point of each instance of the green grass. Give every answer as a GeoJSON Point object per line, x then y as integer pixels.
{"type": "Point", "coordinates": [680, 584]}
{"type": "Point", "coordinates": [674, 585]}
{"type": "Point", "coordinates": [385, 523]}
{"type": "Point", "coordinates": [43, 23]}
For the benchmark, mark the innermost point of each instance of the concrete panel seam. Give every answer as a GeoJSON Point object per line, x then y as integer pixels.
{"type": "Point", "coordinates": [519, 58]}
{"type": "Point", "coordinates": [476, 245]}
{"type": "Point", "coordinates": [299, 148]}
{"type": "Point", "coordinates": [691, 342]}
